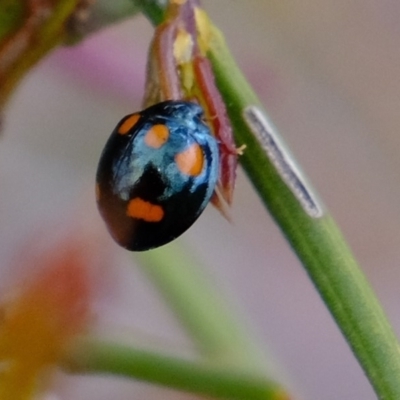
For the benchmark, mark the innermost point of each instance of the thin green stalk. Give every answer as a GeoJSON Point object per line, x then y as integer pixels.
{"type": "Point", "coordinates": [179, 279]}
{"type": "Point", "coordinates": [199, 308]}
{"type": "Point", "coordinates": [38, 43]}
{"type": "Point", "coordinates": [11, 14]}
{"type": "Point", "coordinates": [152, 9]}
{"type": "Point", "coordinates": [317, 241]}
{"type": "Point", "coordinates": [18, 56]}
{"type": "Point", "coordinates": [93, 356]}
{"type": "Point", "coordinates": [233, 367]}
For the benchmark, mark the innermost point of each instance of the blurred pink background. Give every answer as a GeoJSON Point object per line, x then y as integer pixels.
{"type": "Point", "coordinates": [328, 72]}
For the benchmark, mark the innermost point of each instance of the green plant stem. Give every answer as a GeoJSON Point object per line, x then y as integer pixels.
{"type": "Point", "coordinates": [233, 368]}
{"type": "Point", "coordinates": [16, 60]}
{"type": "Point", "coordinates": [11, 14]}
{"type": "Point", "coordinates": [94, 356]}
{"type": "Point", "coordinates": [317, 242]}
{"type": "Point", "coordinates": [103, 13]}
{"type": "Point", "coordinates": [152, 9]}
{"type": "Point", "coordinates": [199, 308]}
{"type": "Point", "coordinates": [41, 40]}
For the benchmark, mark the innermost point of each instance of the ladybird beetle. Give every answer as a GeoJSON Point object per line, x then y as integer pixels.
{"type": "Point", "coordinates": [156, 174]}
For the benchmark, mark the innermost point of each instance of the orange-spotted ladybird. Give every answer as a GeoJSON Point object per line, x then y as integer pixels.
{"type": "Point", "coordinates": [156, 175]}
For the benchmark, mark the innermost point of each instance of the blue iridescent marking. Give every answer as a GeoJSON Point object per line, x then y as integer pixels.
{"type": "Point", "coordinates": [129, 169]}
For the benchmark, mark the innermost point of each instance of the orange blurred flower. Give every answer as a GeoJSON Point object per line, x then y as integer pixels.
{"type": "Point", "coordinates": [41, 318]}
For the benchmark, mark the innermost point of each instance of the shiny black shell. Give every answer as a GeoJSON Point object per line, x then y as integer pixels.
{"type": "Point", "coordinates": [156, 174]}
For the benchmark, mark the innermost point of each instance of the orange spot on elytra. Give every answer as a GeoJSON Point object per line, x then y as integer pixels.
{"type": "Point", "coordinates": [156, 136]}
{"type": "Point", "coordinates": [128, 124]}
{"type": "Point", "coordinates": [141, 209]}
{"type": "Point", "coordinates": [191, 160]}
